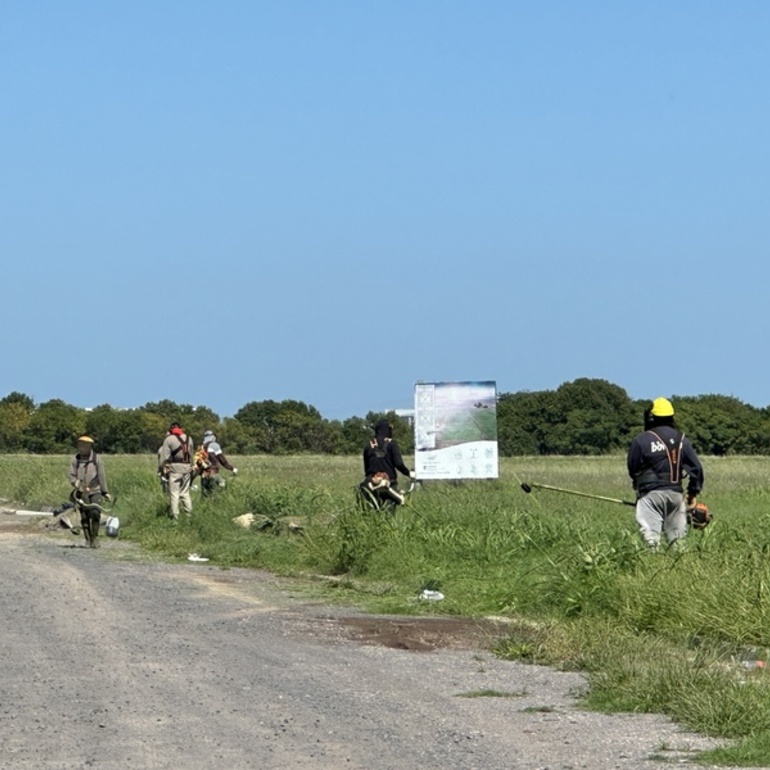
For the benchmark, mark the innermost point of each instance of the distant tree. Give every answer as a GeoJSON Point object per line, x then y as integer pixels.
{"type": "Point", "coordinates": [170, 411]}
{"type": "Point", "coordinates": [295, 433]}
{"type": "Point", "coordinates": [195, 420]}
{"type": "Point", "coordinates": [269, 412]}
{"type": "Point", "coordinates": [722, 425]}
{"type": "Point", "coordinates": [354, 432]}
{"type": "Point", "coordinates": [241, 439]}
{"type": "Point", "coordinates": [14, 422]}
{"type": "Point", "coordinates": [595, 417]}
{"type": "Point", "coordinates": [285, 427]}
{"type": "Point", "coordinates": [257, 413]}
{"type": "Point", "coordinates": [235, 438]}
{"type": "Point", "coordinates": [20, 399]}
{"type": "Point", "coordinates": [587, 416]}
{"type": "Point", "coordinates": [116, 431]}
{"type": "Point", "coordinates": [16, 411]}
{"type": "Point", "coordinates": [199, 421]}
{"type": "Point", "coordinates": [153, 430]}
{"type": "Point", "coordinates": [54, 428]}
{"type": "Point", "coordinates": [523, 422]}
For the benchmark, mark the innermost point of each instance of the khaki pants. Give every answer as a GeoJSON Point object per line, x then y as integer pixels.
{"type": "Point", "coordinates": [179, 481]}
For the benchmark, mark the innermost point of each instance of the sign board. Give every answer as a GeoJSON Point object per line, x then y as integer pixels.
{"type": "Point", "coordinates": [455, 430]}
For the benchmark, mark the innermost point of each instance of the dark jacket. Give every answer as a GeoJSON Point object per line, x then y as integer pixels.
{"type": "Point", "coordinates": [383, 455]}
{"type": "Point", "coordinates": [657, 459]}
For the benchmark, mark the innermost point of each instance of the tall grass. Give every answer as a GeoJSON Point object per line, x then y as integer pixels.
{"type": "Point", "coordinates": [663, 632]}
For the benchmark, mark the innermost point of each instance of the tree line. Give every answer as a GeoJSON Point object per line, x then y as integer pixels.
{"type": "Point", "coordinates": [582, 417]}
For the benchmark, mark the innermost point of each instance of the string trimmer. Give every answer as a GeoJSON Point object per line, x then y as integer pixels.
{"type": "Point", "coordinates": [529, 487]}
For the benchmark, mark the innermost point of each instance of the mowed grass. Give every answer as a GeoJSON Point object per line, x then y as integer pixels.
{"type": "Point", "coordinates": [674, 632]}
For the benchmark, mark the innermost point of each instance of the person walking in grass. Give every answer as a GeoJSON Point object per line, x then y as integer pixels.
{"type": "Point", "coordinates": [175, 464]}
{"type": "Point", "coordinates": [382, 460]}
{"type": "Point", "coordinates": [89, 487]}
{"type": "Point", "coordinates": [659, 459]}
{"type": "Point", "coordinates": [208, 461]}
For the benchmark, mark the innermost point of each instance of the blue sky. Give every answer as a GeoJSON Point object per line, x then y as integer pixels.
{"type": "Point", "coordinates": [219, 203]}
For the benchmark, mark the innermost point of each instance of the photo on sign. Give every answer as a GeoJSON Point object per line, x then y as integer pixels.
{"type": "Point", "coordinates": [456, 430]}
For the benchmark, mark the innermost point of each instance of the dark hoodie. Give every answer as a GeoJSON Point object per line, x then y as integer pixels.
{"type": "Point", "coordinates": [651, 459]}
{"type": "Point", "coordinates": [383, 455]}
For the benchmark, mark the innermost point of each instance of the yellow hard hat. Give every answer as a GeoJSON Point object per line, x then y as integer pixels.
{"type": "Point", "coordinates": [662, 407]}
{"type": "Point", "coordinates": [86, 439]}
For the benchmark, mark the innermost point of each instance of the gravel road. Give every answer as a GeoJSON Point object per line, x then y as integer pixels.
{"type": "Point", "coordinates": [112, 660]}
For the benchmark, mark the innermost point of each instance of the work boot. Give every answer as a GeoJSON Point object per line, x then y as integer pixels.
{"type": "Point", "coordinates": [86, 527]}
{"type": "Point", "coordinates": [94, 531]}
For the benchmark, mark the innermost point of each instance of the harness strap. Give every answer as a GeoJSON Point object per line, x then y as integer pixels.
{"type": "Point", "coordinates": [674, 457]}
{"type": "Point", "coordinates": [87, 461]}
{"type": "Point", "coordinates": [184, 447]}
{"type": "Point", "coordinates": [379, 451]}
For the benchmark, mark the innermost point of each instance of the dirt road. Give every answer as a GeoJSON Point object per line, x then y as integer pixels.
{"type": "Point", "coordinates": [114, 661]}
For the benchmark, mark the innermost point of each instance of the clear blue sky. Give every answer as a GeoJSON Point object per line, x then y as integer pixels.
{"type": "Point", "coordinates": [219, 203]}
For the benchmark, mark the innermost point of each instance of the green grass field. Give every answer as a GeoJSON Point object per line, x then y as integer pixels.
{"type": "Point", "coordinates": [670, 632]}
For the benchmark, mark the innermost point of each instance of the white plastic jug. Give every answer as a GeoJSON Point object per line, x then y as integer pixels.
{"type": "Point", "coordinates": [112, 526]}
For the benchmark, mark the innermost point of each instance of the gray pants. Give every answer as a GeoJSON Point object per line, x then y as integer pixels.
{"type": "Point", "coordinates": [659, 511]}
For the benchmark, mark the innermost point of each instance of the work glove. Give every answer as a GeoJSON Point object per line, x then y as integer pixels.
{"type": "Point", "coordinates": [235, 471]}
{"type": "Point", "coordinates": [692, 501]}
{"type": "Point", "coordinates": [107, 496]}
{"type": "Point", "coordinates": [412, 474]}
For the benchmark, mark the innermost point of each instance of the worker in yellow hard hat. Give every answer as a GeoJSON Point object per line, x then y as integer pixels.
{"type": "Point", "coordinates": [659, 458]}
